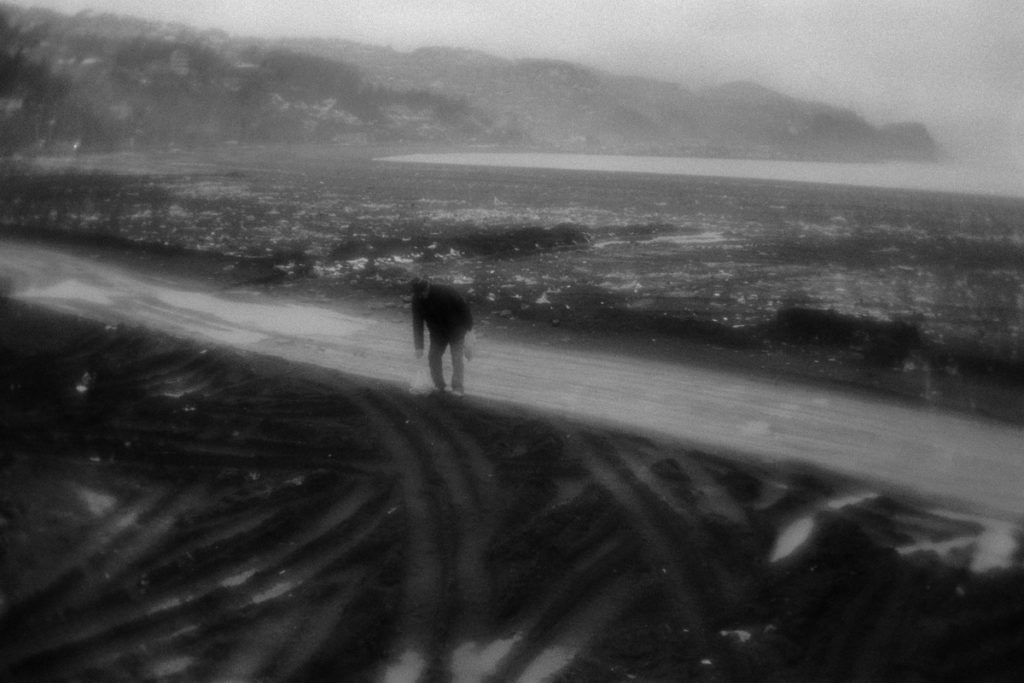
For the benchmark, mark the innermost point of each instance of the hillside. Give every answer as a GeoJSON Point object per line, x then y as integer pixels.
{"type": "Point", "coordinates": [570, 106]}
{"type": "Point", "coordinates": [105, 81]}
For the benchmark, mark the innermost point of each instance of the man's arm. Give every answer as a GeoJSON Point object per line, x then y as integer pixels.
{"type": "Point", "coordinates": [417, 326]}
{"type": "Point", "coordinates": [464, 312]}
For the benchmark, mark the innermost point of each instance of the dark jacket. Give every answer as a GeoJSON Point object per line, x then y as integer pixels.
{"type": "Point", "coordinates": [445, 313]}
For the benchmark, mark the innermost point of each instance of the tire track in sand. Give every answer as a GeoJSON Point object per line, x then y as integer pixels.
{"type": "Point", "coordinates": [44, 592]}
{"type": "Point", "coordinates": [570, 613]}
{"type": "Point", "coordinates": [421, 624]}
{"type": "Point", "coordinates": [92, 628]}
{"type": "Point", "coordinates": [468, 479]}
{"type": "Point", "coordinates": [670, 544]}
{"type": "Point", "coordinates": [462, 480]}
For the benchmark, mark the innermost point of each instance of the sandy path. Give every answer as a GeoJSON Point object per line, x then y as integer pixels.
{"type": "Point", "coordinates": [933, 452]}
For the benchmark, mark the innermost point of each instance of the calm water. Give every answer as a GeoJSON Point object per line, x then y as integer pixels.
{"type": "Point", "coordinates": [909, 176]}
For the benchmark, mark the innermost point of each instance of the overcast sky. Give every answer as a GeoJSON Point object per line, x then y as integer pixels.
{"type": "Point", "coordinates": [956, 65]}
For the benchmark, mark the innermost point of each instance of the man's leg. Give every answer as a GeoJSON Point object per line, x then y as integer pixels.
{"type": "Point", "coordinates": [437, 347]}
{"type": "Point", "coordinates": [458, 364]}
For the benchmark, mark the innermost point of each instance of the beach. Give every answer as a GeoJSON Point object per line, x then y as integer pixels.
{"type": "Point", "coordinates": [218, 507]}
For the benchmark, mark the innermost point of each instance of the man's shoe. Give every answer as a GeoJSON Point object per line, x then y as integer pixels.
{"type": "Point", "coordinates": [458, 393]}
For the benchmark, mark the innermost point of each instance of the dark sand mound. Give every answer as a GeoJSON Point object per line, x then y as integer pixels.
{"type": "Point", "coordinates": [175, 512]}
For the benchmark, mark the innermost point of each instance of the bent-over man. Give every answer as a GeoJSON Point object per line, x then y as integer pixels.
{"type": "Point", "coordinates": [448, 319]}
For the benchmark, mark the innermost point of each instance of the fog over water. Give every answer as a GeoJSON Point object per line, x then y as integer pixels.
{"type": "Point", "coordinates": [956, 65]}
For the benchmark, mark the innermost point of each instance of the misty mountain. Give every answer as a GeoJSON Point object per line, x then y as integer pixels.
{"type": "Point", "coordinates": [105, 81]}
{"type": "Point", "coordinates": [568, 106]}
{"type": "Point", "coordinates": [109, 82]}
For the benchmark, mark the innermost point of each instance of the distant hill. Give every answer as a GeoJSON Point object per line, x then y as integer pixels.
{"type": "Point", "coordinates": [569, 106]}
{"type": "Point", "coordinates": [109, 82]}
{"type": "Point", "coordinates": [103, 81]}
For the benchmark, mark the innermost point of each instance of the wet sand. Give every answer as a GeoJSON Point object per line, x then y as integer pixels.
{"type": "Point", "coordinates": [183, 509]}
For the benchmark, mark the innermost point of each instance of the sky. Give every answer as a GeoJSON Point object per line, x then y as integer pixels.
{"type": "Point", "coordinates": [955, 65]}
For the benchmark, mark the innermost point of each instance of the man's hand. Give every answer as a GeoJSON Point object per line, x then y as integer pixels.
{"type": "Point", "coordinates": [419, 353]}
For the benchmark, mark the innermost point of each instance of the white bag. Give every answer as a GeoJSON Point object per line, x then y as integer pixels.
{"type": "Point", "coordinates": [469, 345]}
{"type": "Point", "coordinates": [420, 382]}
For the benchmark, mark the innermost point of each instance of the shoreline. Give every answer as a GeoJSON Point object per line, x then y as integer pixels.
{"type": "Point", "coordinates": [995, 398]}
{"type": "Point", "coordinates": [897, 447]}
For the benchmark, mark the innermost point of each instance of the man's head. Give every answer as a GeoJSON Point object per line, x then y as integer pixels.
{"type": "Point", "coordinates": [420, 287]}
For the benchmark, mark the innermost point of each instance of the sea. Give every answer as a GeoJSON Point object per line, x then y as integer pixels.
{"type": "Point", "coordinates": [958, 178]}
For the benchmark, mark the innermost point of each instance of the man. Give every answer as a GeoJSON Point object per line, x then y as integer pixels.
{"type": "Point", "coordinates": [448, 319]}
